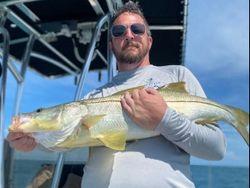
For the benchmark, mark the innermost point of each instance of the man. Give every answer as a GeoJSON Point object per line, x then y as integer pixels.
{"type": "Point", "coordinates": [162, 161]}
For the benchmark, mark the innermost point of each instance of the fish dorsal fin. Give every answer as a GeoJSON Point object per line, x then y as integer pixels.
{"type": "Point", "coordinates": [122, 92]}
{"type": "Point", "coordinates": [176, 86]}
{"type": "Point", "coordinates": [207, 122]}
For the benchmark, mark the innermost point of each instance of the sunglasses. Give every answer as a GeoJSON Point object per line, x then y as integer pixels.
{"type": "Point", "coordinates": [120, 30]}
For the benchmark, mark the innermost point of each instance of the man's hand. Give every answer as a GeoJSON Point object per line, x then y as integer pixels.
{"type": "Point", "coordinates": [21, 141]}
{"type": "Point", "coordinates": [146, 107]}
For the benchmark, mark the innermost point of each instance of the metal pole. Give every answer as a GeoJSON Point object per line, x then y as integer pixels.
{"type": "Point", "coordinates": [184, 34]}
{"type": "Point", "coordinates": [14, 71]}
{"type": "Point", "coordinates": [89, 55]}
{"type": "Point", "coordinates": [53, 62]}
{"type": "Point", "coordinates": [30, 30]}
{"type": "Point", "coordinates": [3, 78]}
{"type": "Point", "coordinates": [13, 2]}
{"type": "Point", "coordinates": [25, 62]}
{"type": "Point", "coordinates": [110, 58]}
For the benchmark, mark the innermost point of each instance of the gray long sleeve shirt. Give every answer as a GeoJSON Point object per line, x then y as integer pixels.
{"type": "Point", "coordinates": [162, 161]}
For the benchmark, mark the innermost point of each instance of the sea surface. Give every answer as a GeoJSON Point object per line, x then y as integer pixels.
{"type": "Point", "coordinates": [203, 176]}
{"type": "Point", "coordinates": [220, 176]}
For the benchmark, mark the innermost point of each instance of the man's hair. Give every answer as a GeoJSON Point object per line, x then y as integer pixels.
{"type": "Point", "coordinates": [131, 7]}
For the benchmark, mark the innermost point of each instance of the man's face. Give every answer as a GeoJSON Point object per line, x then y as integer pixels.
{"type": "Point", "coordinates": [130, 48]}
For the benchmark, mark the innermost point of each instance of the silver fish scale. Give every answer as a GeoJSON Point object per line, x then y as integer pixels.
{"type": "Point", "coordinates": [111, 117]}
{"type": "Point", "coordinates": [104, 108]}
{"type": "Point", "coordinates": [69, 118]}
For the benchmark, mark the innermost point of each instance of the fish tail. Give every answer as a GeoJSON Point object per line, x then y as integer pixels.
{"type": "Point", "coordinates": [241, 123]}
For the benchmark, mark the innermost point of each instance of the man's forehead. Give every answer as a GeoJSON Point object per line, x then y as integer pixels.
{"type": "Point", "coordinates": [128, 17]}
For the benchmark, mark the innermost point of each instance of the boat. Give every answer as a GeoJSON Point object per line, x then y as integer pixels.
{"type": "Point", "coordinates": [58, 38]}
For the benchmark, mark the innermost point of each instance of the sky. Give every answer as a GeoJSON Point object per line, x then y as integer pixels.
{"type": "Point", "coordinates": [217, 52]}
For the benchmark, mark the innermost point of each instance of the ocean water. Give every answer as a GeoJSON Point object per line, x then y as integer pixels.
{"type": "Point", "coordinates": [220, 176]}
{"type": "Point", "coordinates": [203, 176]}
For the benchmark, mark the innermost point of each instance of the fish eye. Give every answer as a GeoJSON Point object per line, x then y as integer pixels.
{"type": "Point", "coordinates": [39, 110]}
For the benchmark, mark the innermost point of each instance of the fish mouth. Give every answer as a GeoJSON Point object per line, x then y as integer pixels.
{"type": "Point", "coordinates": [17, 122]}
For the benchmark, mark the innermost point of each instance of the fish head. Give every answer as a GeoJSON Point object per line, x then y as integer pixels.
{"type": "Point", "coordinates": [41, 120]}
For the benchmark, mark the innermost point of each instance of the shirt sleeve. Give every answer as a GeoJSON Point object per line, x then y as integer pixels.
{"type": "Point", "coordinates": [207, 142]}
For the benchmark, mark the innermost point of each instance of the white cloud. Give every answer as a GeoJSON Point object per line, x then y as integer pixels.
{"type": "Point", "coordinates": [218, 53]}
{"type": "Point", "coordinates": [218, 35]}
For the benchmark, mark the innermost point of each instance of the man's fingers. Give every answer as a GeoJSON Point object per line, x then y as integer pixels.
{"type": "Point", "coordinates": [151, 91]}
{"type": "Point", "coordinates": [125, 105]}
{"type": "Point", "coordinates": [25, 143]}
{"type": "Point", "coordinates": [15, 135]}
{"type": "Point", "coordinates": [135, 94]}
{"type": "Point", "coordinates": [29, 141]}
{"type": "Point", "coordinates": [128, 99]}
{"type": "Point", "coordinates": [21, 141]}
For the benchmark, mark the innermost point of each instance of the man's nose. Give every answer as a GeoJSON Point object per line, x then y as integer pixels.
{"type": "Point", "coordinates": [129, 34]}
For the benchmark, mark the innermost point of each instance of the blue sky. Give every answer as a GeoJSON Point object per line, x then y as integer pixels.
{"type": "Point", "coordinates": [216, 52]}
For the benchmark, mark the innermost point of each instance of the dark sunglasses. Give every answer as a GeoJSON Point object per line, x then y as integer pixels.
{"type": "Point", "coordinates": [119, 30]}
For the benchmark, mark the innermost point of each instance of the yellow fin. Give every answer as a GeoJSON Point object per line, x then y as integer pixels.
{"type": "Point", "coordinates": [241, 123]}
{"type": "Point", "coordinates": [116, 141]}
{"type": "Point", "coordinates": [207, 122]}
{"type": "Point", "coordinates": [90, 121]}
{"type": "Point", "coordinates": [110, 132]}
{"type": "Point", "coordinates": [122, 92]}
{"type": "Point", "coordinates": [177, 86]}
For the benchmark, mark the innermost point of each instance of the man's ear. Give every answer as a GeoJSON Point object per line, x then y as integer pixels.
{"type": "Point", "coordinates": [150, 41]}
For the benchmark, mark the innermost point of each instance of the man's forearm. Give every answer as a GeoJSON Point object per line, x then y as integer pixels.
{"type": "Point", "coordinates": [206, 142]}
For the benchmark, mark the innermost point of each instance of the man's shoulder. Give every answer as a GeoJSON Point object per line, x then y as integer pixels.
{"type": "Point", "coordinates": [102, 91]}
{"type": "Point", "coordinates": [173, 67]}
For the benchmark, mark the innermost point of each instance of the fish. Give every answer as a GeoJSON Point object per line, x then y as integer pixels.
{"type": "Point", "coordinates": [102, 122]}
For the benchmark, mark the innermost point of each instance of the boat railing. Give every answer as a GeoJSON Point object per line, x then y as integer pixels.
{"type": "Point", "coordinates": [3, 77]}
{"type": "Point", "coordinates": [6, 174]}
{"type": "Point", "coordinates": [90, 52]}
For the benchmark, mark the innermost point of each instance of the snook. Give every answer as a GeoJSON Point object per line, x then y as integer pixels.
{"type": "Point", "coordinates": [101, 121]}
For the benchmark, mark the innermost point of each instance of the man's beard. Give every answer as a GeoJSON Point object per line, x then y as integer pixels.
{"type": "Point", "coordinates": [126, 57]}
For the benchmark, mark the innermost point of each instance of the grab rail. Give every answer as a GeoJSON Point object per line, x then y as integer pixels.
{"type": "Point", "coordinates": [85, 70]}
{"type": "Point", "coordinates": [3, 77]}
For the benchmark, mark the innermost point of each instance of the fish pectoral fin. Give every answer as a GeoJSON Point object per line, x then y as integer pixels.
{"type": "Point", "coordinates": [116, 141]}
{"type": "Point", "coordinates": [111, 133]}
{"type": "Point", "coordinates": [90, 121]}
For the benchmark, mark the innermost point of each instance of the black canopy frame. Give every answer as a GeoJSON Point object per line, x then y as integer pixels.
{"type": "Point", "coordinates": [52, 38]}
{"type": "Point", "coordinates": [63, 30]}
